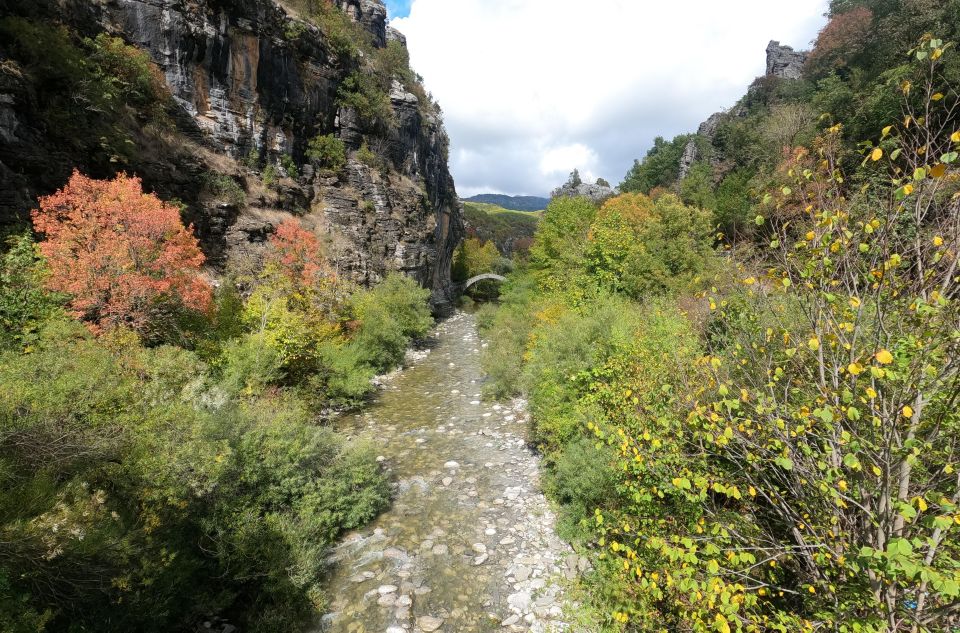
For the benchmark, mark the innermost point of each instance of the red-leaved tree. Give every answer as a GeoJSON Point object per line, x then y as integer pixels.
{"type": "Point", "coordinates": [297, 254]}
{"type": "Point", "coordinates": [842, 37]}
{"type": "Point", "coordinates": [118, 251]}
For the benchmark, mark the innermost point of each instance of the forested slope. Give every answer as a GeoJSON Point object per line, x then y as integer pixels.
{"type": "Point", "coordinates": [745, 381]}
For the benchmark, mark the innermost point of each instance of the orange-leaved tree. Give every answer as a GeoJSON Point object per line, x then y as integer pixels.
{"type": "Point", "coordinates": [118, 251]}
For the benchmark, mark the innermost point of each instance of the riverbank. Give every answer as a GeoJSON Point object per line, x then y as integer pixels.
{"type": "Point", "coordinates": [469, 543]}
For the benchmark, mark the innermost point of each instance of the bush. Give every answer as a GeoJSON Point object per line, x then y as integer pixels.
{"type": "Point", "coordinates": [24, 302]}
{"type": "Point", "coordinates": [139, 495]}
{"type": "Point", "coordinates": [366, 156]}
{"type": "Point", "coordinates": [641, 247]}
{"type": "Point", "coordinates": [391, 315]}
{"type": "Point", "coordinates": [226, 188]}
{"type": "Point", "coordinates": [328, 152]}
{"type": "Point", "coordinates": [364, 93]}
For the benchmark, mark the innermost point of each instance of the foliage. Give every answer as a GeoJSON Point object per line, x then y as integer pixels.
{"type": "Point", "coordinates": [93, 97]}
{"type": "Point", "coordinates": [118, 252]}
{"type": "Point", "coordinates": [390, 316]}
{"type": "Point", "coordinates": [364, 93]}
{"type": "Point", "coordinates": [474, 257]}
{"type": "Point", "coordinates": [556, 255]}
{"type": "Point", "coordinates": [779, 453]}
{"type": "Point", "coordinates": [328, 151]}
{"type": "Point", "coordinates": [366, 156]}
{"type": "Point", "coordinates": [138, 496]}
{"type": "Point", "coordinates": [842, 38]}
{"type": "Point", "coordinates": [510, 231]}
{"type": "Point", "coordinates": [659, 168]}
{"type": "Point", "coordinates": [642, 247]}
{"type": "Point", "coordinates": [226, 188]}
{"type": "Point", "coordinates": [289, 166]}
{"type": "Point", "coordinates": [24, 301]}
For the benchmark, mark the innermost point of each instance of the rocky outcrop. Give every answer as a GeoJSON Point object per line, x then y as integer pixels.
{"type": "Point", "coordinates": [783, 63]}
{"type": "Point", "coordinates": [252, 82]}
{"type": "Point", "coordinates": [574, 188]}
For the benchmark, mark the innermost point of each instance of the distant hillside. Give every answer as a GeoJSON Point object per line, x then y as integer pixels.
{"type": "Point", "coordinates": [509, 230]}
{"type": "Point", "coordinates": [513, 203]}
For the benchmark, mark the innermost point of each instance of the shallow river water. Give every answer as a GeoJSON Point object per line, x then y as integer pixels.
{"type": "Point", "coordinates": [469, 542]}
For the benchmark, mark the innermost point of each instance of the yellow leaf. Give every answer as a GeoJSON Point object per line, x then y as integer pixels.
{"type": "Point", "coordinates": [749, 281]}
{"type": "Point", "coordinates": [810, 236]}
{"type": "Point", "coordinates": [907, 190]}
{"type": "Point", "coordinates": [908, 411]}
{"type": "Point", "coordinates": [753, 491]}
{"type": "Point", "coordinates": [934, 56]}
{"type": "Point", "coordinates": [877, 471]}
{"type": "Point", "coordinates": [921, 504]}
{"type": "Point", "coordinates": [871, 393]}
{"type": "Point", "coordinates": [948, 469]}
{"type": "Point", "coordinates": [938, 241]}
{"type": "Point", "coordinates": [884, 357]}
{"type": "Point", "coordinates": [938, 171]}
{"type": "Point", "coordinates": [937, 97]}
{"type": "Point", "coordinates": [886, 130]}
{"type": "Point", "coordinates": [842, 485]}
{"type": "Point", "coordinates": [876, 155]}
{"type": "Point", "coordinates": [955, 137]}
{"type": "Point", "coordinates": [855, 368]}
{"type": "Point", "coordinates": [814, 343]}
{"type": "Point", "coordinates": [721, 624]}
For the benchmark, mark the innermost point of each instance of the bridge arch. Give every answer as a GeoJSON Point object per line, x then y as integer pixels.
{"type": "Point", "coordinates": [483, 277]}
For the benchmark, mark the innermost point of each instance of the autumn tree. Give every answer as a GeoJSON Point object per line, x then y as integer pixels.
{"type": "Point", "coordinates": [843, 36]}
{"type": "Point", "coordinates": [118, 252]}
{"type": "Point", "coordinates": [298, 301]}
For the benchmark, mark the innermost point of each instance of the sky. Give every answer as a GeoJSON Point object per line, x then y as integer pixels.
{"type": "Point", "coordinates": [531, 89]}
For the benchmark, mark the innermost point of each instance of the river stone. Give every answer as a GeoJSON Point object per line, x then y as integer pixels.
{"type": "Point", "coordinates": [428, 623]}
{"type": "Point", "coordinates": [480, 548]}
{"type": "Point", "coordinates": [451, 464]}
{"type": "Point", "coordinates": [522, 573]}
{"type": "Point", "coordinates": [447, 481]}
{"type": "Point", "coordinates": [385, 589]}
{"type": "Point", "coordinates": [519, 601]}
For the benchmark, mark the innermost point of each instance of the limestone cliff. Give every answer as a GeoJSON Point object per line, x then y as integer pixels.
{"type": "Point", "coordinates": [783, 63]}
{"type": "Point", "coordinates": [251, 83]}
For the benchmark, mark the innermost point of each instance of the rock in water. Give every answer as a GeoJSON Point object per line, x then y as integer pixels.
{"type": "Point", "coordinates": [428, 623]}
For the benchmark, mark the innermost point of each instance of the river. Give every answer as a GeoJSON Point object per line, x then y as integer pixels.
{"type": "Point", "coordinates": [468, 543]}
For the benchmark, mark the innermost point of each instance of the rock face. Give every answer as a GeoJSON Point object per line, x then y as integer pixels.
{"type": "Point", "coordinates": [783, 63]}
{"type": "Point", "coordinates": [252, 83]}
{"type": "Point", "coordinates": [574, 189]}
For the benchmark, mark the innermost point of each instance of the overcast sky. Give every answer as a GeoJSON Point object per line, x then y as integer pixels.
{"type": "Point", "coordinates": [532, 89]}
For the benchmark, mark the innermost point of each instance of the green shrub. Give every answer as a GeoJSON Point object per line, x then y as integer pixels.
{"type": "Point", "coordinates": [24, 303]}
{"type": "Point", "coordinates": [367, 96]}
{"type": "Point", "coordinates": [289, 166]}
{"type": "Point", "coordinates": [328, 152]}
{"type": "Point", "coordinates": [139, 495]}
{"type": "Point", "coordinates": [507, 329]}
{"type": "Point", "coordinates": [225, 187]}
{"type": "Point", "coordinates": [366, 156]}
{"type": "Point", "coordinates": [391, 315]}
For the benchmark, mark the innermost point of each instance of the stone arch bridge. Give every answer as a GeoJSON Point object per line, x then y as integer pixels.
{"type": "Point", "coordinates": [462, 287]}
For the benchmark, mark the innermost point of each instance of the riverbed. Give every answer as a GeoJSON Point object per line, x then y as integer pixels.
{"type": "Point", "coordinates": [468, 544]}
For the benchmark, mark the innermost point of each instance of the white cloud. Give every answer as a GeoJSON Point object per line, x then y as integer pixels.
{"type": "Point", "coordinates": [529, 85]}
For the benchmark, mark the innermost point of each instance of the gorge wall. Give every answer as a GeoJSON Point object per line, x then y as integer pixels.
{"type": "Point", "coordinates": [783, 63]}
{"type": "Point", "coordinates": [251, 82]}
